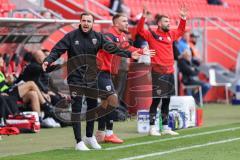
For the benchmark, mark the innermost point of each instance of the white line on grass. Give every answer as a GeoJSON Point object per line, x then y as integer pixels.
{"type": "Point", "coordinates": [181, 149]}
{"type": "Point", "coordinates": [173, 138]}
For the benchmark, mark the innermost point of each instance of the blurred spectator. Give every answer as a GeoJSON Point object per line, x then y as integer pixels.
{"type": "Point", "coordinates": [193, 48]}
{"type": "Point", "coordinates": [183, 45]}
{"type": "Point", "coordinates": [215, 2]}
{"type": "Point", "coordinates": [6, 61]}
{"type": "Point", "coordinates": [27, 57]}
{"type": "Point", "coordinates": [119, 6]}
{"type": "Point", "coordinates": [125, 9]}
{"type": "Point", "coordinates": [46, 14]}
{"type": "Point", "coordinates": [15, 66]}
{"type": "Point", "coordinates": [115, 5]}
{"type": "Point", "coordinates": [190, 75]}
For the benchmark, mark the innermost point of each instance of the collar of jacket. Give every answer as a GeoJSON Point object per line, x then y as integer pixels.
{"type": "Point", "coordinates": [84, 33]}
{"type": "Point", "coordinates": [160, 31]}
{"type": "Point", "coordinates": [115, 30]}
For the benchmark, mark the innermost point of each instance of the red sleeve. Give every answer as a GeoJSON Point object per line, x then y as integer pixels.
{"type": "Point", "coordinates": [141, 31]}
{"type": "Point", "coordinates": [130, 48]}
{"type": "Point", "coordinates": [180, 30]}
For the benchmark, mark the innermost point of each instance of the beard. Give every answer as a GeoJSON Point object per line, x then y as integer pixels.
{"type": "Point", "coordinates": [194, 42]}
{"type": "Point", "coordinates": [165, 29]}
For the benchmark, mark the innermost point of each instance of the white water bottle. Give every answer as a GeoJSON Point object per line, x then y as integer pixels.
{"type": "Point", "coordinates": [238, 90]}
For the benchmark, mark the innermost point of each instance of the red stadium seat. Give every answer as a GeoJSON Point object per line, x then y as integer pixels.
{"type": "Point", "coordinates": [4, 7]}
{"type": "Point", "coordinates": [18, 15]}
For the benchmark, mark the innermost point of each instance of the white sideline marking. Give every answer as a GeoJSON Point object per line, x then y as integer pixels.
{"type": "Point", "coordinates": [173, 138]}
{"type": "Point", "coordinates": [181, 149]}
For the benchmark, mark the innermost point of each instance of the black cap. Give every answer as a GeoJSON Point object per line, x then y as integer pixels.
{"type": "Point", "coordinates": [194, 35]}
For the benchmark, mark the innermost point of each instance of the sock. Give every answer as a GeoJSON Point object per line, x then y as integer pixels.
{"type": "Point", "coordinates": [48, 110]}
{"type": "Point", "coordinates": [2, 122]}
{"type": "Point", "coordinates": [78, 140]}
{"type": "Point", "coordinates": [152, 126]}
{"type": "Point", "coordinates": [89, 128]}
{"type": "Point", "coordinates": [40, 119]}
{"type": "Point", "coordinates": [152, 119]}
{"type": "Point", "coordinates": [109, 132]}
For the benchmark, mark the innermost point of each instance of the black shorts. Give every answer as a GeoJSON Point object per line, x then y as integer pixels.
{"type": "Point", "coordinates": [14, 93]}
{"type": "Point", "coordinates": [105, 85]}
{"type": "Point", "coordinates": [90, 90]}
{"type": "Point", "coordinates": [162, 85]}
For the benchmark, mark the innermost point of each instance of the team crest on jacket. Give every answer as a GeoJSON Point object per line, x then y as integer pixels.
{"type": "Point", "coordinates": [117, 39]}
{"type": "Point", "coordinates": [159, 91]}
{"type": "Point", "coordinates": [160, 38]}
{"type": "Point", "coordinates": [74, 94]}
{"type": "Point", "coordinates": [169, 38]}
{"type": "Point", "coordinates": [108, 88]}
{"type": "Point", "coordinates": [76, 42]}
{"type": "Point", "coordinates": [94, 41]}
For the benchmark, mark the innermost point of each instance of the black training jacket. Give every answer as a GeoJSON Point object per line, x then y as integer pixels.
{"type": "Point", "coordinates": [82, 49]}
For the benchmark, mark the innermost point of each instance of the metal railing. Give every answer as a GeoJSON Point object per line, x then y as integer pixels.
{"type": "Point", "coordinates": [229, 25]}
{"type": "Point", "coordinates": [64, 7]}
{"type": "Point", "coordinates": [227, 46]}
{"type": "Point", "coordinates": [221, 51]}
{"type": "Point", "coordinates": [35, 20]}
{"type": "Point", "coordinates": [217, 23]}
{"type": "Point", "coordinates": [222, 28]}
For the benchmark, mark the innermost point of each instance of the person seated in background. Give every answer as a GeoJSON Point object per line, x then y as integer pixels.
{"type": "Point", "coordinates": [190, 75]}
{"type": "Point", "coordinates": [28, 93]}
{"type": "Point", "coordinates": [188, 43]}
{"type": "Point", "coordinates": [33, 72]}
{"type": "Point", "coordinates": [183, 43]}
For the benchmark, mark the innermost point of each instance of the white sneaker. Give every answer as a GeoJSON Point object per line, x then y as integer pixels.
{"type": "Point", "coordinates": [47, 122]}
{"type": "Point", "coordinates": [92, 142]}
{"type": "Point", "coordinates": [153, 131]}
{"type": "Point", "coordinates": [55, 124]}
{"type": "Point", "coordinates": [169, 132]}
{"type": "Point", "coordinates": [50, 123]}
{"type": "Point", "coordinates": [80, 146]}
{"type": "Point", "coordinates": [0, 138]}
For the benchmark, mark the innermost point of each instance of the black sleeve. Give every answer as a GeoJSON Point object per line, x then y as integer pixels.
{"type": "Point", "coordinates": [196, 62]}
{"type": "Point", "coordinates": [61, 47]}
{"type": "Point", "coordinates": [53, 68]}
{"type": "Point", "coordinates": [186, 69]}
{"type": "Point", "coordinates": [32, 70]}
{"type": "Point", "coordinates": [112, 48]}
{"type": "Point", "coordinates": [33, 73]}
{"type": "Point", "coordinates": [42, 86]}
